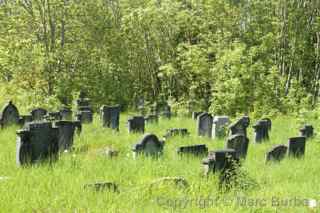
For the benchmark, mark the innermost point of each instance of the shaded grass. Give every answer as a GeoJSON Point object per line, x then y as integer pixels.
{"type": "Point", "coordinates": [59, 187]}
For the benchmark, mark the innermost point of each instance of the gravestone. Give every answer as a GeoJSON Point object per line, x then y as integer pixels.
{"type": "Point", "coordinates": [218, 126]}
{"type": "Point", "coordinates": [307, 131]}
{"type": "Point", "coordinates": [66, 133]}
{"type": "Point", "coordinates": [176, 132]}
{"type": "Point", "coordinates": [37, 141]}
{"type": "Point", "coordinates": [149, 146]}
{"type": "Point", "coordinates": [66, 114]}
{"type": "Point", "coordinates": [277, 153]}
{"type": "Point", "coordinates": [204, 124]}
{"type": "Point", "coordinates": [195, 115]}
{"type": "Point", "coordinates": [197, 150]}
{"type": "Point", "coordinates": [24, 119]}
{"type": "Point", "coordinates": [110, 116]}
{"type": "Point", "coordinates": [85, 111]}
{"type": "Point", "coordinates": [297, 146]}
{"type": "Point", "coordinates": [240, 144]}
{"type": "Point", "coordinates": [38, 114]}
{"type": "Point", "coordinates": [85, 117]}
{"type": "Point", "coordinates": [261, 130]}
{"type": "Point", "coordinates": [53, 116]}
{"type": "Point", "coordinates": [240, 126]}
{"type": "Point", "coordinates": [9, 115]}
{"type": "Point", "coordinates": [269, 122]}
{"type": "Point", "coordinates": [136, 124]}
{"type": "Point", "coordinates": [151, 119]}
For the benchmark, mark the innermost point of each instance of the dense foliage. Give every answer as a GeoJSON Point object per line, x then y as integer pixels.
{"type": "Point", "coordinates": [227, 56]}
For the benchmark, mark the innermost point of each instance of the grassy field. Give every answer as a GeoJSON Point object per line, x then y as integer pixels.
{"type": "Point", "coordinates": [60, 187]}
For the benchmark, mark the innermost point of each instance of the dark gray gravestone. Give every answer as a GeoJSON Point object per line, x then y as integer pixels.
{"type": "Point", "coordinates": [195, 115]}
{"type": "Point", "coordinates": [38, 114]}
{"type": "Point", "coordinates": [152, 119]}
{"type": "Point", "coordinates": [110, 116]}
{"type": "Point", "coordinates": [240, 144]}
{"type": "Point", "coordinates": [66, 133]}
{"type": "Point", "coordinates": [149, 146]}
{"type": "Point", "coordinates": [261, 130]}
{"type": "Point", "coordinates": [9, 115]}
{"type": "Point", "coordinates": [198, 150]}
{"type": "Point", "coordinates": [204, 124]}
{"type": "Point", "coordinates": [240, 126]}
{"type": "Point", "coordinates": [307, 131]}
{"type": "Point", "coordinates": [269, 122]}
{"type": "Point", "coordinates": [66, 114]}
{"type": "Point", "coordinates": [176, 132]}
{"type": "Point", "coordinates": [85, 117]}
{"type": "Point", "coordinates": [277, 153]}
{"type": "Point", "coordinates": [218, 126]}
{"type": "Point", "coordinates": [297, 146]}
{"type": "Point", "coordinates": [136, 124]}
{"type": "Point", "coordinates": [38, 141]}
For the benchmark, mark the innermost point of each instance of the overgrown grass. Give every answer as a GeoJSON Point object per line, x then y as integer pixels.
{"type": "Point", "coordinates": [60, 187]}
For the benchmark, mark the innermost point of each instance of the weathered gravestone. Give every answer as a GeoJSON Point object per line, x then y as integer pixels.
{"type": "Point", "coordinates": [195, 115]}
{"type": "Point", "coordinates": [66, 114]}
{"type": "Point", "coordinates": [151, 119]}
{"type": "Point", "coordinates": [277, 153]}
{"type": "Point", "coordinates": [66, 133]}
{"type": "Point", "coordinates": [261, 130]}
{"type": "Point", "coordinates": [110, 116]}
{"type": "Point", "coordinates": [85, 111]}
{"type": "Point", "coordinates": [269, 123]}
{"type": "Point", "coordinates": [38, 114]}
{"type": "Point", "coordinates": [307, 131]}
{"type": "Point", "coordinates": [198, 150]}
{"type": "Point", "coordinates": [176, 132]}
{"type": "Point", "coordinates": [149, 146]}
{"type": "Point", "coordinates": [9, 115]}
{"type": "Point", "coordinates": [239, 143]}
{"type": "Point", "coordinates": [136, 124]}
{"type": "Point", "coordinates": [38, 141]}
{"type": "Point", "coordinates": [218, 126]}
{"type": "Point", "coordinates": [240, 126]}
{"type": "Point", "coordinates": [297, 146]}
{"type": "Point", "coordinates": [204, 124]}
{"type": "Point", "coordinates": [224, 162]}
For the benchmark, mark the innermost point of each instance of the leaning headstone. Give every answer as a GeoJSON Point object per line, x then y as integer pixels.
{"type": "Point", "coordinates": [152, 119]}
{"type": "Point", "coordinates": [37, 141]}
{"type": "Point", "coordinates": [277, 153]}
{"type": "Point", "coordinates": [149, 146]}
{"type": "Point", "coordinates": [204, 125]}
{"type": "Point", "coordinates": [66, 114]}
{"type": "Point", "coordinates": [66, 133]}
{"type": "Point", "coordinates": [307, 131]}
{"type": "Point", "coordinates": [261, 130]}
{"type": "Point", "coordinates": [9, 115]}
{"type": "Point", "coordinates": [198, 150]}
{"type": "Point", "coordinates": [240, 144]}
{"type": "Point", "coordinates": [38, 114]}
{"type": "Point", "coordinates": [110, 116]}
{"type": "Point", "coordinates": [136, 124]}
{"type": "Point", "coordinates": [240, 126]}
{"type": "Point", "coordinates": [219, 125]}
{"type": "Point", "coordinates": [297, 146]}
{"type": "Point", "coordinates": [176, 132]}
{"type": "Point", "coordinates": [269, 122]}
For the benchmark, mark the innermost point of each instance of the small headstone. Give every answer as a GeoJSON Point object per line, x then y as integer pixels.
{"type": "Point", "coordinates": [219, 125]}
{"type": "Point", "coordinates": [66, 114]}
{"type": "Point", "coordinates": [38, 114]}
{"type": "Point", "coordinates": [37, 141]}
{"type": "Point", "coordinates": [261, 130]}
{"type": "Point", "coordinates": [66, 133]}
{"type": "Point", "coordinates": [136, 124]}
{"type": "Point", "coordinates": [240, 144]}
{"type": "Point", "coordinates": [269, 122]}
{"type": "Point", "coordinates": [176, 132]}
{"type": "Point", "coordinates": [151, 119]}
{"type": "Point", "coordinates": [197, 150]}
{"type": "Point", "coordinates": [240, 126]}
{"type": "Point", "coordinates": [110, 116]}
{"type": "Point", "coordinates": [149, 146]}
{"type": "Point", "coordinates": [9, 115]}
{"type": "Point", "coordinates": [297, 146]}
{"type": "Point", "coordinates": [195, 115]}
{"type": "Point", "coordinates": [102, 186]}
{"type": "Point", "coordinates": [204, 124]}
{"type": "Point", "coordinates": [307, 131]}
{"type": "Point", "coordinates": [277, 153]}
{"type": "Point", "coordinates": [85, 111]}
